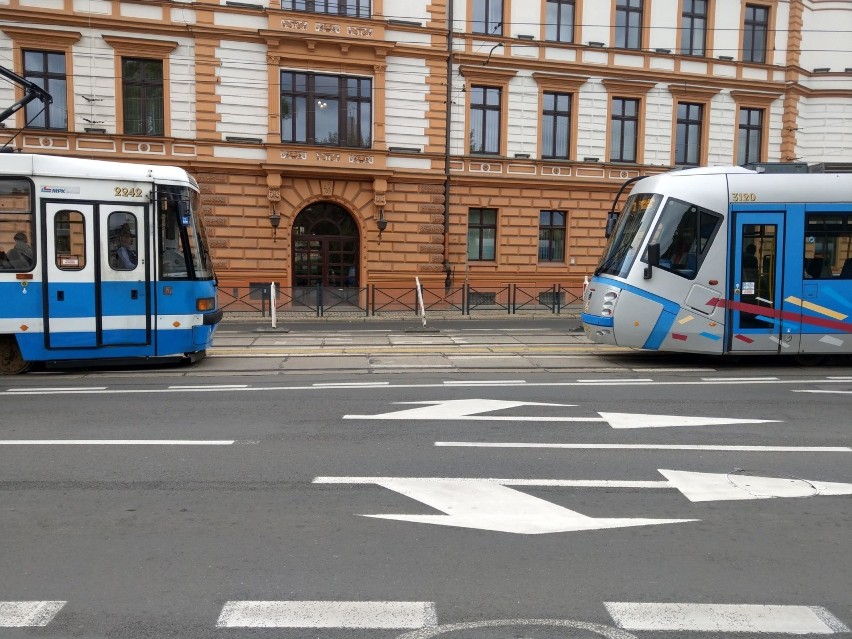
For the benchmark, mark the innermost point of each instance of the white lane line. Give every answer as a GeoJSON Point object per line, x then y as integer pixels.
{"type": "Point", "coordinates": [746, 449]}
{"type": "Point", "coordinates": [559, 483]}
{"type": "Point", "coordinates": [724, 618]}
{"type": "Point", "coordinates": [102, 390]}
{"type": "Point", "coordinates": [21, 614]}
{"type": "Point", "coordinates": [44, 389]}
{"type": "Point", "coordinates": [350, 384]}
{"type": "Point", "coordinates": [829, 392]}
{"type": "Point", "coordinates": [486, 382]}
{"type": "Point", "coordinates": [207, 386]}
{"type": "Point", "coordinates": [673, 369]}
{"type": "Point", "coordinates": [619, 381]}
{"type": "Point", "coordinates": [117, 442]}
{"type": "Point", "coordinates": [328, 614]}
{"type": "Point", "coordinates": [740, 379]}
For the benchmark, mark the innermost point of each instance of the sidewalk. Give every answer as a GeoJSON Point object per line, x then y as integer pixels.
{"type": "Point", "coordinates": [383, 345]}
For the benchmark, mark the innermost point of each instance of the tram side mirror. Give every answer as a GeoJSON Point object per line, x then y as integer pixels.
{"type": "Point", "coordinates": [184, 212]}
{"type": "Point", "coordinates": [653, 260]}
{"type": "Point", "coordinates": [611, 219]}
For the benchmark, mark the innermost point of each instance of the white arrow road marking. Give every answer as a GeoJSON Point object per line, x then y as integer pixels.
{"type": "Point", "coordinates": [452, 409]}
{"type": "Point", "coordinates": [21, 614]}
{"type": "Point", "coordinates": [327, 614]}
{"type": "Point", "coordinates": [471, 409]}
{"type": "Point", "coordinates": [487, 505]}
{"type": "Point", "coordinates": [796, 620]}
{"type": "Point", "coordinates": [631, 420]}
{"type": "Point", "coordinates": [734, 486]}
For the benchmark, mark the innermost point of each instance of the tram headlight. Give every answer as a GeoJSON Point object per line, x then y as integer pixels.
{"type": "Point", "coordinates": [203, 304]}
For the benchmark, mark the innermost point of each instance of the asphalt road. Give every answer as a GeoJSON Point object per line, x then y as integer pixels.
{"type": "Point", "coordinates": [640, 497]}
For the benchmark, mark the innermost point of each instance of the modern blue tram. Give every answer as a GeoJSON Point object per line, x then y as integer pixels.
{"type": "Point", "coordinates": [101, 260]}
{"type": "Point", "coordinates": [728, 260]}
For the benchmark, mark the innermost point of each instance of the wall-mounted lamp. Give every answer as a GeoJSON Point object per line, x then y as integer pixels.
{"type": "Point", "coordinates": [590, 159]}
{"type": "Point", "coordinates": [596, 44]}
{"type": "Point", "coordinates": [381, 223]}
{"type": "Point", "coordinates": [274, 220]}
{"type": "Point", "coordinates": [525, 36]}
{"type": "Point", "coordinates": [662, 50]}
{"type": "Point", "coordinates": [822, 69]}
{"type": "Point", "coordinates": [91, 129]}
{"type": "Point", "coordinates": [727, 58]}
{"type": "Point", "coordinates": [522, 156]}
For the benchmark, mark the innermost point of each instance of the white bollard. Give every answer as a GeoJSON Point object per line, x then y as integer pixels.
{"type": "Point", "coordinates": [420, 301]}
{"type": "Point", "coordinates": [273, 303]}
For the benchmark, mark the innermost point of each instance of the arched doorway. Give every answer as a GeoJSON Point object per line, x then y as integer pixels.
{"type": "Point", "coordinates": [325, 247]}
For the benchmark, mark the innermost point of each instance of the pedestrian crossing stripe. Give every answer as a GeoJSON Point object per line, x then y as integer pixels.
{"type": "Point", "coordinates": [328, 614]}
{"type": "Point", "coordinates": [692, 617]}
{"type": "Point", "coordinates": [22, 614]}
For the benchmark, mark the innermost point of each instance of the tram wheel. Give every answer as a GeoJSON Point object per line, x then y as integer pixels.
{"type": "Point", "coordinates": [11, 360]}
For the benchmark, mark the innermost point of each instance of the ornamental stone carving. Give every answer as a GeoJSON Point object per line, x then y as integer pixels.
{"type": "Point", "coordinates": [295, 25]}
{"type": "Point", "coordinates": [379, 199]}
{"type": "Point", "coordinates": [327, 27]}
{"type": "Point", "coordinates": [294, 155]}
{"type": "Point", "coordinates": [327, 187]}
{"type": "Point", "coordinates": [360, 31]}
{"type": "Point", "coordinates": [274, 195]}
{"type": "Point", "coordinates": [360, 159]}
{"type": "Point", "coordinates": [328, 157]}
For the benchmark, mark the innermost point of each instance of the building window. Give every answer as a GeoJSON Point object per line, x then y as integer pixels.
{"type": "Point", "coordinates": [488, 17]}
{"type": "Point", "coordinates": [46, 69]}
{"type": "Point", "coordinates": [688, 135]}
{"type": "Point", "coordinates": [624, 135]}
{"type": "Point", "coordinates": [755, 32]}
{"type": "Point", "coordinates": [328, 110]}
{"type": "Point", "coordinates": [693, 26]}
{"type": "Point", "coordinates": [750, 136]}
{"type": "Point", "coordinates": [353, 8]}
{"type": "Point", "coordinates": [628, 24]}
{"type": "Point", "coordinates": [485, 120]}
{"type": "Point", "coordinates": [559, 26]}
{"type": "Point", "coordinates": [556, 126]}
{"type": "Point", "coordinates": [142, 88]}
{"type": "Point", "coordinates": [551, 236]}
{"type": "Point", "coordinates": [481, 234]}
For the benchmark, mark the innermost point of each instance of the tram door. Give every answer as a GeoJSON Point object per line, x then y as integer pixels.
{"type": "Point", "coordinates": [755, 312]}
{"type": "Point", "coordinates": [90, 299]}
{"type": "Point", "coordinates": [69, 275]}
{"type": "Point", "coordinates": [124, 311]}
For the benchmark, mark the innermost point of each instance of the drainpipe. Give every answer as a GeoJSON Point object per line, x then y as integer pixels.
{"type": "Point", "coordinates": [448, 280]}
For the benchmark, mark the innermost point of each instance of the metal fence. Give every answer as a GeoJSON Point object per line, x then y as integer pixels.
{"type": "Point", "coordinates": [373, 300]}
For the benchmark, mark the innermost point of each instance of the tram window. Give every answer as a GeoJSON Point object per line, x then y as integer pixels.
{"type": "Point", "coordinates": [828, 246]}
{"type": "Point", "coordinates": [123, 241]}
{"type": "Point", "coordinates": [17, 249]}
{"type": "Point", "coordinates": [69, 238]}
{"type": "Point", "coordinates": [684, 234]}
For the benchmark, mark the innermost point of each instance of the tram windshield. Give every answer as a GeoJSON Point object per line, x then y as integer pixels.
{"type": "Point", "coordinates": [183, 249]}
{"type": "Point", "coordinates": [630, 231]}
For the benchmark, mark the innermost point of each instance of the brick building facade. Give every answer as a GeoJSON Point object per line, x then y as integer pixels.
{"type": "Point", "coordinates": [333, 117]}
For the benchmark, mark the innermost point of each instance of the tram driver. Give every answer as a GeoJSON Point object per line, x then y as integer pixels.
{"type": "Point", "coordinates": [20, 257]}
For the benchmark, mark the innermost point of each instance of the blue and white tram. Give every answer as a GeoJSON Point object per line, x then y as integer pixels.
{"type": "Point", "coordinates": [728, 261]}
{"type": "Point", "coordinates": [101, 260]}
